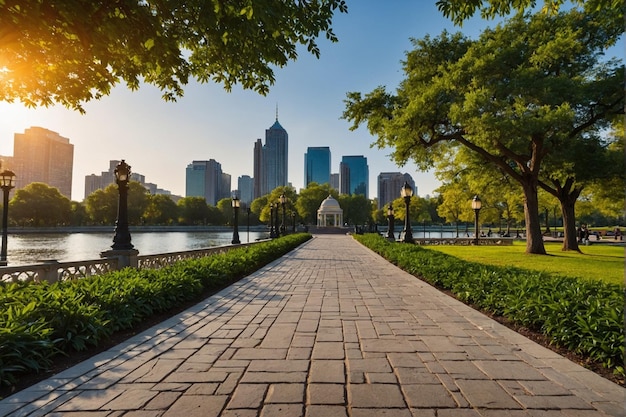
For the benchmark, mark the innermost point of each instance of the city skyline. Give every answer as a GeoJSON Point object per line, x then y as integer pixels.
{"type": "Point", "coordinates": [159, 139]}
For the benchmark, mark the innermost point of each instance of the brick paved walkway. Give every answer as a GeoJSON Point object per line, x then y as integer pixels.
{"type": "Point", "coordinates": [329, 330]}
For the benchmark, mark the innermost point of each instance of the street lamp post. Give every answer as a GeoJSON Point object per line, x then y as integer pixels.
{"type": "Point", "coordinates": [283, 225]}
{"type": "Point", "coordinates": [272, 234]}
{"type": "Point", "coordinates": [7, 182]}
{"type": "Point", "coordinates": [476, 206]}
{"type": "Point", "coordinates": [406, 192]}
{"type": "Point", "coordinates": [276, 226]}
{"type": "Point", "coordinates": [248, 223]}
{"type": "Point", "coordinates": [390, 219]}
{"type": "Point", "coordinates": [122, 239]}
{"type": "Point", "coordinates": [293, 217]}
{"type": "Point", "coordinates": [236, 204]}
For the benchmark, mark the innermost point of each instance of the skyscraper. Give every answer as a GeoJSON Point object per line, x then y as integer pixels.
{"type": "Point", "coordinates": [270, 160]}
{"type": "Point", "coordinates": [389, 185]}
{"type": "Point", "coordinates": [41, 155]}
{"type": "Point", "coordinates": [354, 175]}
{"type": "Point", "coordinates": [206, 179]}
{"type": "Point", "coordinates": [245, 187]}
{"type": "Point", "coordinates": [317, 165]}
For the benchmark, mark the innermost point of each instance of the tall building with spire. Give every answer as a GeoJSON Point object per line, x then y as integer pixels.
{"type": "Point", "coordinates": [270, 160]}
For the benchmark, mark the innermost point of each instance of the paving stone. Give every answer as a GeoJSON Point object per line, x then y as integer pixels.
{"type": "Point", "coordinates": [327, 371]}
{"type": "Point", "coordinates": [428, 396]}
{"type": "Point", "coordinates": [285, 393]}
{"type": "Point", "coordinates": [375, 396]}
{"type": "Point", "coordinates": [248, 396]}
{"type": "Point", "coordinates": [197, 406]}
{"type": "Point", "coordinates": [326, 394]}
{"type": "Point", "coordinates": [486, 394]}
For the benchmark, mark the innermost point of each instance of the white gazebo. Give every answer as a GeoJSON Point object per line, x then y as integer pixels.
{"type": "Point", "coordinates": [330, 213]}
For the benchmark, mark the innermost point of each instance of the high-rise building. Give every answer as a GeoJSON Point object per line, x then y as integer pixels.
{"type": "Point", "coordinates": [334, 181]}
{"type": "Point", "coordinates": [354, 175]}
{"type": "Point", "coordinates": [270, 160]}
{"type": "Point", "coordinates": [95, 182]}
{"type": "Point", "coordinates": [389, 185]}
{"type": "Point", "coordinates": [41, 155]}
{"type": "Point", "coordinates": [245, 188]}
{"type": "Point", "coordinates": [206, 179]}
{"type": "Point", "coordinates": [317, 165]}
{"type": "Point", "coordinates": [257, 173]}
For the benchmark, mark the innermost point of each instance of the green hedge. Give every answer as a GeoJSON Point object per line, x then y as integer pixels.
{"type": "Point", "coordinates": [39, 321]}
{"type": "Point", "coordinates": [583, 316]}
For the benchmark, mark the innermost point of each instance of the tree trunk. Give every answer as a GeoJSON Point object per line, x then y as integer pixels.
{"type": "Point", "coordinates": [534, 238]}
{"type": "Point", "coordinates": [570, 239]}
{"type": "Point", "coordinates": [568, 194]}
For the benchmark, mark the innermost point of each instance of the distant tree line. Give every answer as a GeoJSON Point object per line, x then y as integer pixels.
{"type": "Point", "coordinates": [39, 205]}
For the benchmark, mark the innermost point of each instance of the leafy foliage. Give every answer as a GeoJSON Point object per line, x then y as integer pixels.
{"type": "Point", "coordinates": [40, 321]}
{"type": "Point", "coordinates": [586, 317]}
{"type": "Point", "coordinates": [70, 52]}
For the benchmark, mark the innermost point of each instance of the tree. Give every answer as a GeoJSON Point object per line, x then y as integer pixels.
{"type": "Point", "coordinates": [516, 97]}
{"type": "Point", "coordinates": [71, 52]}
{"type": "Point", "coordinates": [38, 204]}
{"type": "Point", "coordinates": [101, 205]}
{"type": "Point", "coordinates": [161, 210]}
{"type": "Point", "coordinates": [193, 210]}
{"type": "Point", "coordinates": [356, 208]}
{"type": "Point", "coordinates": [461, 10]}
{"type": "Point", "coordinates": [79, 214]}
{"type": "Point", "coordinates": [310, 199]}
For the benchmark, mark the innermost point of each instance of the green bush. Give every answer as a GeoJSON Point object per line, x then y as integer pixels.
{"type": "Point", "coordinates": [39, 321]}
{"type": "Point", "coordinates": [586, 317]}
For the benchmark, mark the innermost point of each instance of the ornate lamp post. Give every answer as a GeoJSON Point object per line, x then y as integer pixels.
{"type": "Point", "coordinates": [248, 223]}
{"type": "Point", "coordinates": [390, 219]}
{"type": "Point", "coordinates": [236, 203]}
{"type": "Point", "coordinates": [121, 240]}
{"type": "Point", "coordinates": [476, 206]}
{"type": "Point", "coordinates": [276, 226]}
{"type": "Point", "coordinates": [283, 225]}
{"type": "Point", "coordinates": [7, 182]}
{"type": "Point", "coordinates": [272, 234]}
{"type": "Point", "coordinates": [406, 192]}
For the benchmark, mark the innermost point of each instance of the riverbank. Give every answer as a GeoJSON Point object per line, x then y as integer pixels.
{"type": "Point", "coordinates": [133, 229]}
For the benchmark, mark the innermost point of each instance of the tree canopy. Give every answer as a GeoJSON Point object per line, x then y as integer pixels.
{"type": "Point", "coordinates": [70, 52]}
{"type": "Point", "coordinates": [460, 10]}
{"type": "Point", "coordinates": [517, 97]}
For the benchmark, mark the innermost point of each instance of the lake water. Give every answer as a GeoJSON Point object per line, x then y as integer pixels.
{"type": "Point", "coordinates": [23, 249]}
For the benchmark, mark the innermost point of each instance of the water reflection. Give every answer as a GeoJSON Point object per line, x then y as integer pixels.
{"type": "Point", "coordinates": [30, 248]}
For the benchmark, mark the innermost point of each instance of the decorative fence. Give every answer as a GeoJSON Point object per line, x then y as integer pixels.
{"type": "Point", "coordinates": [53, 271]}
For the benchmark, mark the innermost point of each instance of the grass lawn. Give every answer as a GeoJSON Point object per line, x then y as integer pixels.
{"type": "Point", "coordinates": [597, 262]}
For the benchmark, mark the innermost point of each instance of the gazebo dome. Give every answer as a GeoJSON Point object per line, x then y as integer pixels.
{"type": "Point", "coordinates": [330, 213]}
{"type": "Point", "coordinates": [329, 203]}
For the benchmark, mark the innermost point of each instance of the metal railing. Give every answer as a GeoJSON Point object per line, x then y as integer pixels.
{"type": "Point", "coordinates": [53, 271]}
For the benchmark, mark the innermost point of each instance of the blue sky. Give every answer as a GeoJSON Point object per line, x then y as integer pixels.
{"type": "Point", "coordinates": [159, 139]}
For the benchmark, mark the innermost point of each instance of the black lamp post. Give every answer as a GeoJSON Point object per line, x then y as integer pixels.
{"type": "Point", "coordinates": [248, 223]}
{"type": "Point", "coordinates": [476, 206]}
{"type": "Point", "coordinates": [276, 226]}
{"type": "Point", "coordinates": [7, 182]}
{"type": "Point", "coordinates": [236, 204]}
{"type": "Point", "coordinates": [272, 235]}
{"type": "Point", "coordinates": [283, 225]}
{"type": "Point", "coordinates": [121, 240]}
{"type": "Point", "coordinates": [293, 217]}
{"type": "Point", "coordinates": [406, 192]}
{"type": "Point", "coordinates": [390, 219]}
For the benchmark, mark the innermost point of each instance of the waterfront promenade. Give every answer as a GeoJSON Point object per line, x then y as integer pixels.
{"type": "Point", "coordinates": [328, 330]}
